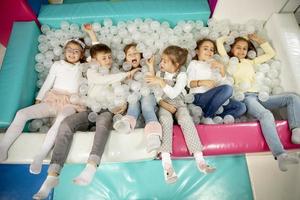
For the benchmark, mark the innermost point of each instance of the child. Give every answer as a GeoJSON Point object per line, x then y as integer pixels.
{"type": "Point", "coordinates": [79, 121]}
{"type": "Point", "coordinates": [200, 79]}
{"type": "Point", "coordinates": [245, 73]}
{"type": "Point", "coordinates": [145, 106]}
{"type": "Point", "coordinates": [173, 82]}
{"type": "Point", "coordinates": [53, 100]}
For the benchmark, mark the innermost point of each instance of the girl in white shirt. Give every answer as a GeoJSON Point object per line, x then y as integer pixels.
{"type": "Point", "coordinates": [53, 100]}
{"type": "Point", "coordinates": [207, 94]}
{"type": "Point", "coordinates": [173, 82]}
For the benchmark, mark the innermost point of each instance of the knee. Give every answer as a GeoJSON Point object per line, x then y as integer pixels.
{"type": "Point", "coordinates": [227, 90]}
{"type": "Point", "coordinates": [104, 119]}
{"type": "Point", "coordinates": [293, 97]}
{"type": "Point", "coordinates": [241, 109]}
{"type": "Point", "coordinates": [66, 128]}
{"type": "Point", "coordinates": [265, 114]}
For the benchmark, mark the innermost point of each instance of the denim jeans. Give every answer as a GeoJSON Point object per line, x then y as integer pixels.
{"type": "Point", "coordinates": [211, 100]}
{"type": "Point", "coordinates": [234, 108]}
{"type": "Point", "coordinates": [260, 110]}
{"type": "Point", "coordinates": [147, 106]}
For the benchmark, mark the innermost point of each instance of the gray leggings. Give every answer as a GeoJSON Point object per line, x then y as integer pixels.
{"type": "Point", "coordinates": [67, 129]}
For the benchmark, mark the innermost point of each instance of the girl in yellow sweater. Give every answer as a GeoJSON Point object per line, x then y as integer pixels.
{"type": "Point", "coordinates": [244, 75]}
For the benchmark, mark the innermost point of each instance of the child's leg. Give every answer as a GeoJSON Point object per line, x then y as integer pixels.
{"type": "Point", "coordinates": [153, 128]}
{"type": "Point", "coordinates": [15, 129]}
{"type": "Point", "coordinates": [292, 102]}
{"type": "Point", "coordinates": [128, 122]}
{"type": "Point", "coordinates": [166, 120]}
{"type": "Point", "coordinates": [234, 108]}
{"type": "Point", "coordinates": [77, 121]}
{"type": "Point", "coordinates": [36, 166]}
{"type": "Point", "coordinates": [268, 127]}
{"type": "Point", "coordinates": [192, 139]}
{"type": "Point", "coordinates": [103, 126]}
{"type": "Point", "coordinates": [211, 100]}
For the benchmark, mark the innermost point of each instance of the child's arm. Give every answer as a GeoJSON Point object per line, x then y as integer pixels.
{"type": "Point", "coordinates": [48, 84]}
{"type": "Point", "coordinates": [94, 77]}
{"type": "Point", "coordinates": [217, 65]}
{"type": "Point", "coordinates": [269, 52]}
{"type": "Point", "coordinates": [150, 63]}
{"type": "Point", "coordinates": [169, 107]}
{"type": "Point", "coordinates": [192, 77]}
{"type": "Point", "coordinates": [171, 92]}
{"type": "Point", "coordinates": [220, 45]}
{"type": "Point", "coordinates": [119, 109]}
{"type": "Point", "coordinates": [89, 30]}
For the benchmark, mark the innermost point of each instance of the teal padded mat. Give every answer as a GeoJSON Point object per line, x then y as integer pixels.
{"type": "Point", "coordinates": [144, 180]}
{"type": "Point", "coordinates": [169, 10]}
{"type": "Point", "coordinates": [17, 75]}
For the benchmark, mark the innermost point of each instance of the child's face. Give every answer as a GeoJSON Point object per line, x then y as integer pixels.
{"type": "Point", "coordinates": [166, 64]}
{"type": "Point", "coordinates": [133, 57]}
{"type": "Point", "coordinates": [205, 51]}
{"type": "Point", "coordinates": [104, 59]}
{"type": "Point", "coordinates": [73, 52]}
{"type": "Point", "coordinates": [240, 49]}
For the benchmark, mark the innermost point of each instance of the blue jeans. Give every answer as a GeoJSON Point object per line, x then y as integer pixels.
{"type": "Point", "coordinates": [147, 105]}
{"type": "Point", "coordinates": [260, 110]}
{"type": "Point", "coordinates": [211, 100]}
{"type": "Point", "coordinates": [234, 108]}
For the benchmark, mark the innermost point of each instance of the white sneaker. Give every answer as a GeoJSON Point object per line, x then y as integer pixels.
{"type": "Point", "coordinates": [122, 126]}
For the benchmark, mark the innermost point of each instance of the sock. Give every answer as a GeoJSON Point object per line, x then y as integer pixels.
{"type": "Point", "coordinates": [153, 142]}
{"type": "Point", "coordinates": [284, 159]}
{"type": "Point", "coordinates": [166, 160]}
{"type": "Point", "coordinates": [86, 176]}
{"type": "Point", "coordinates": [3, 152]}
{"type": "Point", "coordinates": [199, 158]}
{"type": "Point", "coordinates": [36, 165]}
{"type": "Point", "coordinates": [48, 185]}
{"type": "Point", "coordinates": [296, 135]}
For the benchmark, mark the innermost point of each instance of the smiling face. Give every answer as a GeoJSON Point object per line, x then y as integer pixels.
{"type": "Point", "coordinates": [73, 52]}
{"type": "Point", "coordinates": [205, 51]}
{"type": "Point", "coordinates": [240, 49]}
{"type": "Point", "coordinates": [166, 64]}
{"type": "Point", "coordinates": [133, 56]}
{"type": "Point", "coordinates": [103, 59]}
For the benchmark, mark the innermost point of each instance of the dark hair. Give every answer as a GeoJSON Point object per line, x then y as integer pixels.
{"type": "Point", "coordinates": [200, 42]}
{"type": "Point", "coordinates": [238, 39]}
{"type": "Point", "coordinates": [128, 46]}
{"type": "Point", "coordinates": [99, 48]}
{"type": "Point", "coordinates": [176, 55]}
{"type": "Point", "coordinates": [83, 58]}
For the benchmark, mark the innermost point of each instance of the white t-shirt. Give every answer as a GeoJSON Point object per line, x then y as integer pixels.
{"type": "Point", "coordinates": [199, 70]}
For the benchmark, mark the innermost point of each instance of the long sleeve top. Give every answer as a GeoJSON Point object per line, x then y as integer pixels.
{"type": "Point", "coordinates": [245, 72]}
{"type": "Point", "coordinates": [63, 76]}
{"type": "Point", "coordinates": [173, 91]}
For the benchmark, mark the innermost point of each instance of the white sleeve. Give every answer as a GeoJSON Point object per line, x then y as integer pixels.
{"type": "Point", "coordinates": [95, 78]}
{"type": "Point", "coordinates": [191, 73]}
{"type": "Point", "coordinates": [173, 92]}
{"type": "Point", "coordinates": [48, 84]}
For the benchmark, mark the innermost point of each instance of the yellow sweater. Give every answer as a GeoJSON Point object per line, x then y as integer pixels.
{"type": "Point", "coordinates": [245, 72]}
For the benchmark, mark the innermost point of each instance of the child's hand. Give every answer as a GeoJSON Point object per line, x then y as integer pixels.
{"type": "Point", "coordinates": [154, 80]}
{"type": "Point", "coordinates": [150, 61]}
{"type": "Point", "coordinates": [256, 38]}
{"type": "Point", "coordinates": [207, 83]}
{"type": "Point", "coordinates": [217, 65]}
{"type": "Point", "coordinates": [88, 28]}
{"type": "Point", "coordinates": [169, 107]}
{"type": "Point", "coordinates": [119, 109]}
{"type": "Point", "coordinates": [37, 101]}
{"type": "Point", "coordinates": [131, 73]}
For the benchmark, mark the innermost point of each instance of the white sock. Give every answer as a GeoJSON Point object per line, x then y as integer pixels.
{"type": "Point", "coordinates": [284, 159]}
{"type": "Point", "coordinates": [48, 185]}
{"type": "Point", "coordinates": [199, 158]}
{"type": "Point", "coordinates": [166, 160]}
{"type": "Point", "coordinates": [296, 135]}
{"type": "Point", "coordinates": [86, 176]}
{"type": "Point", "coordinates": [36, 165]}
{"type": "Point", "coordinates": [153, 142]}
